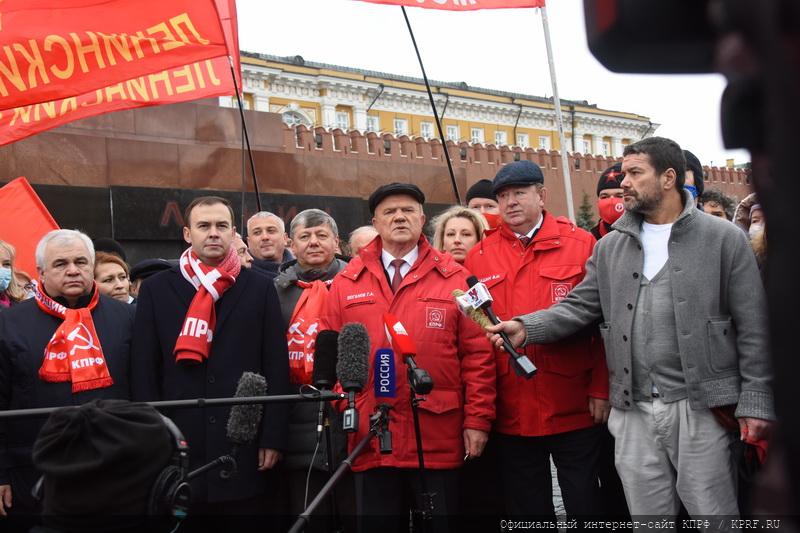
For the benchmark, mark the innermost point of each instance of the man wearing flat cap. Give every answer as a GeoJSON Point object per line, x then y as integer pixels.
{"type": "Point", "coordinates": [532, 261]}
{"type": "Point", "coordinates": [400, 273]}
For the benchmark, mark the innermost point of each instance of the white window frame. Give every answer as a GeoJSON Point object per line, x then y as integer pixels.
{"type": "Point", "coordinates": [400, 126]}
{"type": "Point", "coordinates": [476, 135]}
{"type": "Point", "coordinates": [606, 148]}
{"type": "Point", "coordinates": [426, 129]}
{"type": "Point", "coordinates": [544, 142]}
{"type": "Point", "coordinates": [500, 138]}
{"type": "Point", "coordinates": [453, 133]}
{"type": "Point", "coordinates": [343, 120]}
{"type": "Point", "coordinates": [523, 140]}
{"type": "Point", "coordinates": [373, 123]}
{"type": "Point", "coordinates": [587, 146]}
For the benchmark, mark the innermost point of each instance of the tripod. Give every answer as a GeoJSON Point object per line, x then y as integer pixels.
{"type": "Point", "coordinates": [379, 427]}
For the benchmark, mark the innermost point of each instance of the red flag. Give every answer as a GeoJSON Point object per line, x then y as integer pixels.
{"type": "Point", "coordinates": [55, 50]}
{"type": "Point", "coordinates": [26, 221]}
{"type": "Point", "coordinates": [461, 5]}
{"type": "Point", "coordinates": [230, 26]}
{"type": "Point", "coordinates": [202, 79]}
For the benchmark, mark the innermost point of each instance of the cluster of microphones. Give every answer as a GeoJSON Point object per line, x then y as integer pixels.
{"type": "Point", "coordinates": [340, 357]}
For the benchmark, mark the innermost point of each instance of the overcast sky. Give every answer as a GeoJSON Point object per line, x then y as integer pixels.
{"type": "Point", "coordinates": [496, 49]}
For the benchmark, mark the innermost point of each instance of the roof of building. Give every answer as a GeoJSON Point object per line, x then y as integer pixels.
{"type": "Point", "coordinates": [299, 61]}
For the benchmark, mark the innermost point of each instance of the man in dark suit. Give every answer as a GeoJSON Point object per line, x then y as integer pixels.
{"type": "Point", "coordinates": [67, 346]}
{"type": "Point", "coordinates": [198, 327]}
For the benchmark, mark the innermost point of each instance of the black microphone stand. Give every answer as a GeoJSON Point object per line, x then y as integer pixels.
{"type": "Point", "coordinates": [420, 383]}
{"type": "Point", "coordinates": [325, 422]}
{"type": "Point", "coordinates": [379, 427]}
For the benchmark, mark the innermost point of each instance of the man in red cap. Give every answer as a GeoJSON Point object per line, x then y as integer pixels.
{"type": "Point", "coordinates": [609, 200]}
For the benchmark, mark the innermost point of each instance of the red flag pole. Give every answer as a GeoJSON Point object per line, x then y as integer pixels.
{"type": "Point", "coordinates": [435, 114]}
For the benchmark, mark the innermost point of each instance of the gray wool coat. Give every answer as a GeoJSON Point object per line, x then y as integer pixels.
{"type": "Point", "coordinates": [719, 302]}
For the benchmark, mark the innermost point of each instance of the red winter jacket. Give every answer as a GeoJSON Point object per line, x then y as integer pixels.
{"type": "Point", "coordinates": [450, 347]}
{"type": "Point", "coordinates": [521, 281]}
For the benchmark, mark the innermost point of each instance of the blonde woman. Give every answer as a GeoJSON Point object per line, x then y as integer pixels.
{"type": "Point", "coordinates": [457, 230]}
{"type": "Point", "coordinates": [11, 292]}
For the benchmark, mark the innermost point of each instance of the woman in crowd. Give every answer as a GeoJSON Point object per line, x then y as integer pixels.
{"type": "Point", "coordinates": [457, 230]}
{"type": "Point", "coordinates": [11, 292]}
{"type": "Point", "coordinates": [112, 276]}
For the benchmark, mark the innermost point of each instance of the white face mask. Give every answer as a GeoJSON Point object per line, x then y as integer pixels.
{"type": "Point", "coordinates": [755, 229]}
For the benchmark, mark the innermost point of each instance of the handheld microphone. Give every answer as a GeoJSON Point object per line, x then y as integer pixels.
{"type": "Point", "coordinates": [479, 297]}
{"type": "Point", "coordinates": [352, 368]}
{"type": "Point", "coordinates": [421, 382]}
{"type": "Point", "coordinates": [463, 301]}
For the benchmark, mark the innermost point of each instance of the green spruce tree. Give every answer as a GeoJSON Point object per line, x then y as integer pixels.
{"type": "Point", "coordinates": [585, 218]}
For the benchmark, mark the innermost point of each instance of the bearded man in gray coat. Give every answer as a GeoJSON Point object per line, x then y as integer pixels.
{"type": "Point", "coordinates": [683, 319]}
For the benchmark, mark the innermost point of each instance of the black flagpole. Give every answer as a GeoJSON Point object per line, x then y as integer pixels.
{"type": "Point", "coordinates": [246, 136]}
{"type": "Point", "coordinates": [435, 114]}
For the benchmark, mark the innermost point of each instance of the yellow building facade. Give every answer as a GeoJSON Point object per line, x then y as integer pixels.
{"type": "Point", "coordinates": [317, 94]}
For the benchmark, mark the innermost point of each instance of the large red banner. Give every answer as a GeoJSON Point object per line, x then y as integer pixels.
{"type": "Point", "coordinates": [202, 79]}
{"type": "Point", "coordinates": [462, 5]}
{"type": "Point", "coordinates": [54, 50]}
{"type": "Point", "coordinates": [25, 222]}
{"type": "Point", "coordinates": [183, 81]}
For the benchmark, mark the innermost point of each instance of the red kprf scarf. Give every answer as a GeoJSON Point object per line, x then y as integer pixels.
{"type": "Point", "coordinates": [74, 353]}
{"type": "Point", "coordinates": [194, 341]}
{"type": "Point", "coordinates": [303, 328]}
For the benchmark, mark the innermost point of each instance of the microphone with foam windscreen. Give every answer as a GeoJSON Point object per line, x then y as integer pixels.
{"type": "Point", "coordinates": [243, 424]}
{"type": "Point", "coordinates": [352, 368]}
{"type": "Point", "coordinates": [480, 299]}
{"type": "Point", "coordinates": [326, 354]}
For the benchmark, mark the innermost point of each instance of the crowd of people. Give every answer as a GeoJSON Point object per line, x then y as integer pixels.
{"type": "Point", "coordinates": [648, 332]}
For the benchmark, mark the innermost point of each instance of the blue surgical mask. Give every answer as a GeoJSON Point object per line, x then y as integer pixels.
{"type": "Point", "coordinates": [692, 189]}
{"type": "Point", "coordinates": [5, 278]}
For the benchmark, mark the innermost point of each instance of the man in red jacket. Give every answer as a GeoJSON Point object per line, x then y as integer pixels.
{"type": "Point", "coordinates": [400, 273]}
{"type": "Point", "coordinates": [530, 262]}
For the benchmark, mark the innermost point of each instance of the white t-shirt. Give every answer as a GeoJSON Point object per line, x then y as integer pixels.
{"type": "Point", "coordinates": [655, 241]}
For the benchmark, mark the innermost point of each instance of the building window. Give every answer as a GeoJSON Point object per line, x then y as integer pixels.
{"type": "Point", "coordinates": [606, 149]}
{"type": "Point", "coordinates": [426, 129]}
{"type": "Point", "coordinates": [587, 146]}
{"type": "Point", "coordinates": [500, 138]}
{"type": "Point", "coordinates": [373, 123]}
{"type": "Point", "coordinates": [294, 117]}
{"type": "Point", "coordinates": [476, 135]}
{"type": "Point", "coordinates": [544, 142]}
{"type": "Point", "coordinates": [522, 140]}
{"type": "Point", "coordinates": [248, 101]}
{"type": "Point", "coordinates": [343, 120]}
{"type": "Point", "coordinates": [400, 126]}
{"type": "Point", "coordinates": [453, 134]}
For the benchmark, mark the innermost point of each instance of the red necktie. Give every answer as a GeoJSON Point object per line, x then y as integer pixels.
{"type": "Point", "coordinates": [525, 240]}
{"type": "Point", "coordinates": [397, 278]}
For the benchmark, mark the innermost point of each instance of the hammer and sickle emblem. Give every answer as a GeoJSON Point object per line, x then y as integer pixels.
{"type": "Point", "coordinates": [81, 333]}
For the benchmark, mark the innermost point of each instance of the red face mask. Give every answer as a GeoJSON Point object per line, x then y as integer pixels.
{"type": "Point", "coordinates": [610, 209]}
{"type": "Point", "coordinates": [492, 219]}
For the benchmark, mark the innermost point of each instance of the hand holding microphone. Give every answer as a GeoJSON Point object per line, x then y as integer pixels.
{"type": "Point", "coordinates": [478, 301]}
{"type": "Point", "coordinates": [514, 330]}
